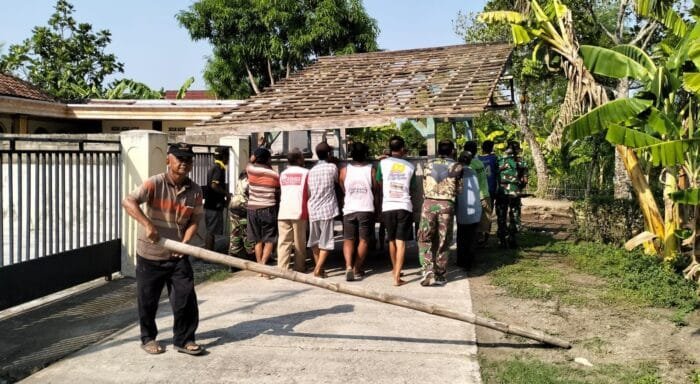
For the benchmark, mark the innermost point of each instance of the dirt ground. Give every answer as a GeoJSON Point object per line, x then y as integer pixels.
{"type": "Point", "coordinates": [602, 334]}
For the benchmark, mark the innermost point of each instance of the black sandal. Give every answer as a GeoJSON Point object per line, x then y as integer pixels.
{"type": "Point", "coordinates": [153, 347]}
{"type": "Point", "coordinates": [187, 348]}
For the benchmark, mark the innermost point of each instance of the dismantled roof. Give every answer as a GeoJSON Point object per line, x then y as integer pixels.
{"type": "Point", "coordinates": [14, 87]}
{"type": "Point", "coordinates": [373, 89]}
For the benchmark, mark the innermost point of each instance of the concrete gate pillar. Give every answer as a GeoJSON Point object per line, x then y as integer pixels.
{"type": "Point", "coordinates": [238, 157]}
{"type": "Point", "coordinates": [143, 155]}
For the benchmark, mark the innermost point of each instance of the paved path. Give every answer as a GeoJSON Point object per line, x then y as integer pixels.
{"type": "Point", "coordinates": [278, 331]}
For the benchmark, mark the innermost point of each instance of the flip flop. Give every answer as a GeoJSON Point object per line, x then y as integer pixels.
{"type": "Point", "coordinates": [153, 347]}
{"type": "Point", "coordinates": [197, 351]}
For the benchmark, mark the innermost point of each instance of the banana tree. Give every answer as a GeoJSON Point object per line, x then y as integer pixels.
{"type": "Point", "coordinates": [549, 29]}
{"type": "Point", "coordinates": [660, 121]}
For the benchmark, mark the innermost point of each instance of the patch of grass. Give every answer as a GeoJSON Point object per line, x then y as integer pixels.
{"type": "Point", "coordinates": [695, 377]}
{"type": "Point", "coordinates": [530, 371]}
{"type": "Point", "coordinates": [634, 277]}
{"type": "Point", "coordinates": [530, 279]}
{"type": "Point", "coordinates": [595, 345]}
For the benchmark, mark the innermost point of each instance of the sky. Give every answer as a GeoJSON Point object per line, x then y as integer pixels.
{"type": "Point", "coordinates": [156, 51]}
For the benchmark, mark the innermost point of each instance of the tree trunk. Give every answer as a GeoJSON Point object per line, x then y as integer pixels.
{"type": "Point", "coordinates": [289, 71]}
{"type": "Point", "coordinates": [593, 168]}
{"type": "Point", "coordinates": [251, 80]}
{"type": "Point", "coordinates": [671, 216]}
{"type": "Point", "coordinates": [652, 217]}
{"type": "Point", "coordinates": [537, 156]}
{"type": "Point", "coordinates": [269, 72]}
{"type": "Point", "coordinates": [621, 180]}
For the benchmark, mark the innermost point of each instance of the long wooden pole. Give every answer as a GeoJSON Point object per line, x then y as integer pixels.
{"type": "Point", "coordinates": [359, 291]}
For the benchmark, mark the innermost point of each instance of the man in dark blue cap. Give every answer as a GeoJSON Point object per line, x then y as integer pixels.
{"type": "Point", "coordinates": [173, 209]}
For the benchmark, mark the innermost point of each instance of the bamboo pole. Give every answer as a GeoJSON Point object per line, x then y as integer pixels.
{"type": "Point", "coordinates": [359, 291]}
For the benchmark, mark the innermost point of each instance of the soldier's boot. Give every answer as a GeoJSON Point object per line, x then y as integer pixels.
{"type": "Point", "coordinates": [502, 242]}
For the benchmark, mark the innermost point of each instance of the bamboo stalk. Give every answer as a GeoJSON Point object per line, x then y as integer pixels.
{"type": "Point", "coordinates": [359, 291]}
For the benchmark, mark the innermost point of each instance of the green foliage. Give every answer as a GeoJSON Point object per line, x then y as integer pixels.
{"type": "Point", "coordinates": [531, 371]}
{"type": "Point", "coordinates": [377, 138]}
{"type": "Point", "coordinates": [256, 42]}
{"type": "Point", "coordinates": [695, 377]}
{"type": "Point", "coordinates": [64, 57]}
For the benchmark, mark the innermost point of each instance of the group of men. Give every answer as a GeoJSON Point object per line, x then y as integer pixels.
{"type": "Point", "coordinates": [295, 210]}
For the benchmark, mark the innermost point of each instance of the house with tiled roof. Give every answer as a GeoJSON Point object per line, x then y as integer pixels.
{"type": "Point", "coordinates": [25, 109]}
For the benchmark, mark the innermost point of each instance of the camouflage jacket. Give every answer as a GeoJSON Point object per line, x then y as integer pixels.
{"type": "Point", "coordinates": [512, 171]}
{"type": "Point", "coordinates": [239, 201]}
{"type": "Point", "coordinates": [441, 179]}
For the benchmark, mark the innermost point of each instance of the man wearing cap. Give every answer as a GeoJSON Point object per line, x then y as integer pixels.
{"type": "Point", "coordinates": [216, 197]}
{"type": "Point", "coordinates": [173, 209]}
{"type": "Point", "coordinates": [263, 198]}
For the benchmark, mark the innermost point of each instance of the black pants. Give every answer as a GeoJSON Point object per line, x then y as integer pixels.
{"type": "Point", "coordinates": [177, 275]}
{"type": "Point", "coordinates": [466, 244]}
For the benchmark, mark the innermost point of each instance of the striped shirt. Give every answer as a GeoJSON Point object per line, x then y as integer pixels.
{"type": "Point", "coordinates": [170, 208]}
{"type": "Point", "coordinates": [263, 186]}
{"type": "Point", "coordinates": [322, 203]}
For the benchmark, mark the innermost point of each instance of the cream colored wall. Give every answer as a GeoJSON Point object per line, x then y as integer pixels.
{"type": "Point", "coordinates": [116, 126]}
{"type": "Point", "coordinates": [177, 127]}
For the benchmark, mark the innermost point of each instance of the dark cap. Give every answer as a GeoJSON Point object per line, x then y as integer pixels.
{"type": "Point", "coordinates": [181, 150]}
{"type": "Point", "coordinates": [262, 154]}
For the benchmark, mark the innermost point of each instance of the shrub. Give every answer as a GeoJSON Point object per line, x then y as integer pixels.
{"type": "Point", "coordinates": [607, 220]}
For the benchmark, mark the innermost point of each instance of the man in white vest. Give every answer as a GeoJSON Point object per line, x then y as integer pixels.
{"type": "Point", "coordinates": [358, 181]}
{"type": "Point", "coordinates": [293, 214]}
{"type": "Point", "coordinates": [397, 179]}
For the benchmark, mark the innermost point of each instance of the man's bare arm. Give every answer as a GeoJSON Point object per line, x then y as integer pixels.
{"type": "Point", "coordinates": [132, 208]}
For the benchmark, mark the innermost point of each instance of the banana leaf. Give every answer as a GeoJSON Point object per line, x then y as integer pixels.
{"type": "Point", "coordinates": [600, 118]}
{"type": "Point", "coordinates": [637, 54]}
{"type": "Point", "coordinates": [661, 123]}
{"type": "Point", "coordinates": [520, 35]}
{"type": "Point", "coordinates": [501, 17]}
{"type": "Point", "coordinates": [691, 82]}
{"type": "Point", "coordinates": [689, 196]}
{"type": "Point", "coordinates": [668, 153]}
{"type": "Point", "coordinates": [609, 63]}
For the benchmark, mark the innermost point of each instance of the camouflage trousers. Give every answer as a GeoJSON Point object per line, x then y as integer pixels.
{"type": "Point", "coordinates": [239, 246]}
{"type": "Point", "coordinates": [508, 216]}
{"type": "Point", "coordinates": [435, 235]}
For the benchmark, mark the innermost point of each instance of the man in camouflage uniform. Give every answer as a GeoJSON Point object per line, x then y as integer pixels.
{"type": "Point", "coordinates": [511, 181]}
{"type": "Point", "coordinates": [440, 187]}
{"type": "Point", "coordinates": [239, 246]}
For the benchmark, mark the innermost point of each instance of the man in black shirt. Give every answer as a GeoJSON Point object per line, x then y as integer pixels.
{"type": "Point", "coordinates": [216, 196]}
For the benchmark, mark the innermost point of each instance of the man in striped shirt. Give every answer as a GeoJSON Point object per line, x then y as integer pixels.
{"type": "Point", "coordinates": [173, 209]}
{"type": "Point", "coordinates": [263, 198]}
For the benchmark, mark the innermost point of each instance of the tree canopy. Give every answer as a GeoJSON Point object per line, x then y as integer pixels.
{"type": "Point", "coordinates": [257, 42]}
{"type": "Point", "coordinates": [64, 57]}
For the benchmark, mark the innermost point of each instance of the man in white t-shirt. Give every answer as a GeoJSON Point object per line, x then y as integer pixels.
{"type": "Point", "coordinates": [293, 215]}
{"type": "Point", "coordinates": [397, 178]}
